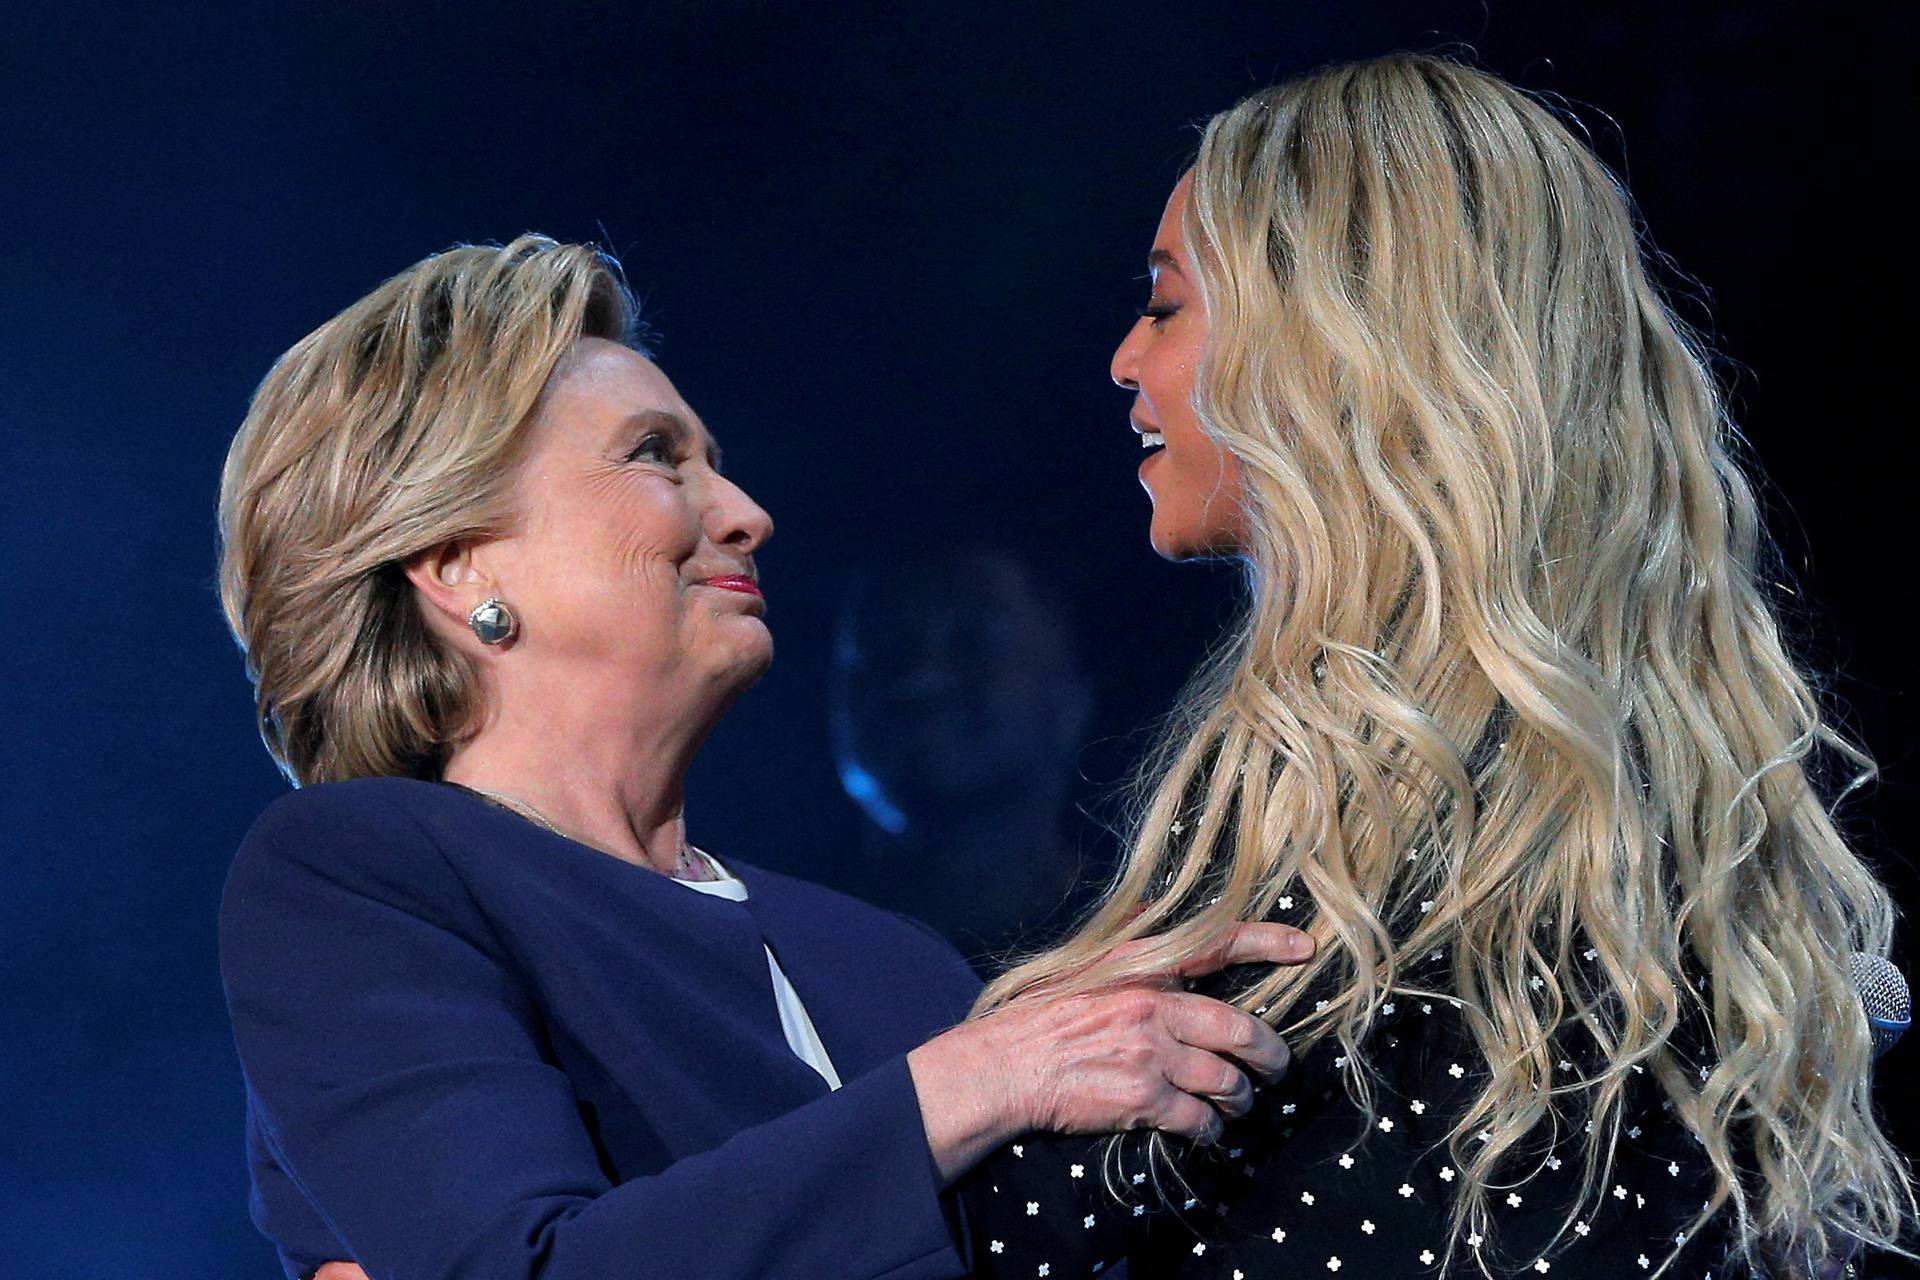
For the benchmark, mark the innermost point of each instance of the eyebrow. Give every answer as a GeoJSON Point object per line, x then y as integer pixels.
{"type": "Point", "coordinates": [674, 425]}
{"type": "Point", "coordinates": [1163, 258]}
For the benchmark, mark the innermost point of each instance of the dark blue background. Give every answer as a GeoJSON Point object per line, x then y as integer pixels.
{"type": "Point", "coordinates": [887, 252]}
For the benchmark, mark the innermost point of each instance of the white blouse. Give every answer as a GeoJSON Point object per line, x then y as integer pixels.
{"type": "Point", "coordinates": [801, 1037]}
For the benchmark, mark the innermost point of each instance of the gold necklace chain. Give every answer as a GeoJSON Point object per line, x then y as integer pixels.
{"type": "Point", "coordinates": [683, 868]}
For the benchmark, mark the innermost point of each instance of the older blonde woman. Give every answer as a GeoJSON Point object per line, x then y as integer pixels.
{"type": "Point", "coordinates": [498, 1017]}
{"type": "Point", "coordinates": [1507, 724]}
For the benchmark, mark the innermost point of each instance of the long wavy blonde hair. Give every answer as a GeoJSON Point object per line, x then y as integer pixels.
{"type": "Point", "coordinates": [1508, 682]}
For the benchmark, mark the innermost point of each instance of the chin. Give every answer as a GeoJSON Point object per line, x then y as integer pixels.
{"type": "Point", "coordinates": [1178, 543]}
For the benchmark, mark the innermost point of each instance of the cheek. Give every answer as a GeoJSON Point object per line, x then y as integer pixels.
{"type": "Point", "coordinates": [653, 532]}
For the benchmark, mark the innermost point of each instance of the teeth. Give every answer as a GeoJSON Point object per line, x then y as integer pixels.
{"type": "Point", "coordinates": [1151, 440]}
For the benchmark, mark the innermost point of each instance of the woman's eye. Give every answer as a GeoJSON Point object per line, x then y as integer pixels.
{"type": "Point", "coordinates": [652, 449]}
{"type": "Point", "coordinates": [1156, 311]}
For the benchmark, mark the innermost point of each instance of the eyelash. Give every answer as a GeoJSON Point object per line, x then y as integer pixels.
{"type": "Point", "coordinates": [665, 445]}
{"type": "Point", "coordinates": [1155, 313]}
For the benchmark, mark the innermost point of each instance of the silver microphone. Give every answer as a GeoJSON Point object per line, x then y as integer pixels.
{"type": "Point", "coordinates": [1883, 991]}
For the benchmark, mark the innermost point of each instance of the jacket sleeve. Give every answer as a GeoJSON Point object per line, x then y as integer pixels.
{"type": "Point", "coordinates": [395, 1065]}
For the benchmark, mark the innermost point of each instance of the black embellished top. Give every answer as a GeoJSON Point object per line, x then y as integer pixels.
{"type": "Point", "coordinates": [1307, 1185]}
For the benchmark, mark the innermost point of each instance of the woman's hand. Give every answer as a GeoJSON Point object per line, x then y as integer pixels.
{"type": "Point", "coordinates": [1139, 1055]}
{"type": "Point", "coordinates": [340, 1271]}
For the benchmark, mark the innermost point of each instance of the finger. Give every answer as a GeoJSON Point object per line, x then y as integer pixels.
{"type": "Point", "coordinates": [1250, 942]}
{"type": "Point", "coordinates": [1183, 1114]}
{"type": "Point", "coordinates": [1222, 1029]}
{"type": "Point", "coordinates": [1209, 1078]}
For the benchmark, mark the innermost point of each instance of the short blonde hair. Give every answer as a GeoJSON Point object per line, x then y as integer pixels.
{"type": "Point", "coordinates": [389, 430]}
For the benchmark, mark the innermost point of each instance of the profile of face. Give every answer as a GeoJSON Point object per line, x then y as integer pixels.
{"type": "Point", "coordinates": [630, 561]}
{"type": "Point", "coordinates": [1194, 483]}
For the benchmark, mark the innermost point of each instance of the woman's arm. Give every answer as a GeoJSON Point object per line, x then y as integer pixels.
{"type": "Point", "coordinates": [395, 1062]}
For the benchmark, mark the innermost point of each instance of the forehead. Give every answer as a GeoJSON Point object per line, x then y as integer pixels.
{"type": "Point", "coordinates": [1169, 238]}
{"type": "Point", "coordinates": [604, 382]}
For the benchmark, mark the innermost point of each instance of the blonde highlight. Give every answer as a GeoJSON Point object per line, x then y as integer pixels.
{"type": "Point", "coordinates": [391, 429]}
{"type": "Point", "coordinates": [1508, 683]}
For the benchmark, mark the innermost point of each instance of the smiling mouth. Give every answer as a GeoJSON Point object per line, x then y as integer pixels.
{"type": "Point", "coordinates": [733, 582]}
{"type": "Point", "coordinates": [1151, 440]}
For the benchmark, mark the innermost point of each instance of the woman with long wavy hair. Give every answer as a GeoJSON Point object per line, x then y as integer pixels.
{"type": "Point", "coordinates": [1507, 722]}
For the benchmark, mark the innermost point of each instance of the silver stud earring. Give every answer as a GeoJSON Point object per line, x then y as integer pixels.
{"type": "Point", "coordinates": [493, 622]}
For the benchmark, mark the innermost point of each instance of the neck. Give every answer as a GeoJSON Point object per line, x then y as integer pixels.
{"type": "Point", "coordinates": [614, 781]}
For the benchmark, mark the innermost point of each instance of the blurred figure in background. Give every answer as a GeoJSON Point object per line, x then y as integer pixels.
{"type": "Point", "coordinates": [959, 705]}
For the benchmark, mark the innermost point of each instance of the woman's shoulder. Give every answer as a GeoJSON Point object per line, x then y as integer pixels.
{"type": "Point", "coordinates": [362, 835]}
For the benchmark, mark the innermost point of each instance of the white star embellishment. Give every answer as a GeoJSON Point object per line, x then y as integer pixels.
{"type": "Point", "coordinates": [1139, 1178]}
{"type": "Point", "coordinates": [1333, 1264]}
{"type": "Point", "coordinates": [1078, 1171]}
{"type": "Point", "coordinates": [1033, 1208]}
{"type": "Point", "coordinates": [1553, 1163]}
{"type": "Point", "coordinates": [1019, 1150]}
{"type": "Point", "coordinates": [1673, 1169]}
{"type": "Point", "coordinates": [1306, 1197]}
{"type": "Point", "coordinates": [1418, 1107]}
{"type": "Point", "coordinates": [1513, 1199]}
{"type": "Point", "coordinates": [1456, 1071]}
{"type": "Point", "coordinates": [1046, 1269]}
{"type": "Point", "coordinates": [1279, 1236]}
{"type": "Point", "coordinates": [1286, 902]}
{"type": "Point", "coordinates": [998, 1246]}
{"type": "Point", "coordinates": [1386, 1124]}
{"type": "Point", "coordinates": [1199, 1248]}
{"type": "Point", "coordinates": [1346, 1160]}
{"type": "Point", "coordinates": [1634, 1132]}
{"type": "Point", "coordinates": [1366, 1225]}
{"type": "Point", "coordinates": [1541, 1265]}
{"type": "Point", "coordinates": [1446, 1175]}
{"type": "Point", "coordinates": [1581, 1228]}
{"type": "Point", "coordinates": [1139, 1209]}
{"type": "Point", "coordinates": [1426, 1257]}
{"type": "Point", "coordinates": [1406, 1191]}
{"type": "Point", "coordinates": [1087, 1222]}
{"type": "Point", "coordinates": [1642, 1260]}
{"type": "Point", "coordinates": [1619, 1193]}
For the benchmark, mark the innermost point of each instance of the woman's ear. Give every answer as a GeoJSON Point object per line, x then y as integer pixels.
{"type": "Point", "coordinates": [449, 581]}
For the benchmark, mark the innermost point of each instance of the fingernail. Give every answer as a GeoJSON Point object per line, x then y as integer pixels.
{"type": "Point", "coordinates": [1299, 946]}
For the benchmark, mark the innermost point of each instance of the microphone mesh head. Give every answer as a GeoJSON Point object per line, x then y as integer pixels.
{"type": "Point", "coordinates": [1883, 991]}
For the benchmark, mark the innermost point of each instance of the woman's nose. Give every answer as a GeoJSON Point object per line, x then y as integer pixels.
{"type": "Point", "coordinates": [742, 523]}
{"type": "Point", "coordinates": [1126, 361]}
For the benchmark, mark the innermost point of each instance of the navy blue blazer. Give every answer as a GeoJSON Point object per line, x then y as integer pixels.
{"type": "Point", "coordinates": [476, 1049]}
